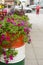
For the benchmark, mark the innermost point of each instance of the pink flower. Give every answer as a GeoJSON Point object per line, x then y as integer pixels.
{"type": "Point", "coordinates": [22, 23]}
{"type": "Point", "coordinates": [11, 57]}
{"type": "Point", "coordinates": [2, 37]}
{"type": "Point", "coordinates": [0, 41]}
{"type": "Point", "coordinates": [29, 40]}
{"type": "Point", "coordinates": [5, 10]}
{"type": "Point", "coordinates": [8, 20]}
{"type": "Point", "coordinates": [25, 29]}
{"type": "Point", "coordinates": [19, 24]}
{"type": "Point", "coordinates": [10, 13]}
{"type": "Point", "coordinates": [1, 18]}
{"type": "Point", "coordinates": [12, 21]}
{"type": "Point", "coordinates": [29, 29]}
{"type": "Point", "coordinates": [6, 61]}
{"type": "Point", "coordinates": [4, 53]}
{"type": "Point", "coordinates": [5, 57]}
{"type": "Point", "coordinates": [27, 32]}
{"type": "Point", "coordinates": [8, 38]}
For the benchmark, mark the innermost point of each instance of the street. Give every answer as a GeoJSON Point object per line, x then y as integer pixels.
{"type": "Point", "coordinates": [34, 50]}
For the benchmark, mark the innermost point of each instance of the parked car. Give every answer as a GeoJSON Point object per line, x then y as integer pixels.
{"type": "Point", "coordinates": [41, 5]}
{"type": "Point", "coordinates": [27, 9]}
{"type": "Point", "coordinates": [17, 7]}
{"type": "Point", "coordinates": [33, 6]}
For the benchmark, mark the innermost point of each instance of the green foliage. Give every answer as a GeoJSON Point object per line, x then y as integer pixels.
{"type": "Point", "coordinates": [15, 53]}
{"type": "Point", "coordinates": [25, 39]}
{"type": "Point", "coordinates": [24, 17]}
{"type": "Point", "coordinates": [1, 50]}
{"type": "Point", "coordinates": [30, 25]}
{"type": "Point", "coordinates": [5, 42]}
{"type": "Point", "coordinates": [12, 52]}
{"type": "Point", "coordinates": [1, 31]}
{"type": "Point", "coordinates": [16, 16]}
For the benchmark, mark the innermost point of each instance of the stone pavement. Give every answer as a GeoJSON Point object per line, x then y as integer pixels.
{"type": "Point", "coordinates": [34, 51]}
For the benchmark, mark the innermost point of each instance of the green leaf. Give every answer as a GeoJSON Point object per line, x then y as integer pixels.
{"type": "Point", "coordinates": [11, 52]}
{"type": "Point", "coordinates": [25, 39]}
{"type": "Point", "coordinates": [30, 25]}
{"type": "Point", "coordinates": [1, 31]}
{"type": "Point", "coordinates": [5, 42]}
{"type": "Point", "coordinates": [1, 50]}
{"type": "Point", "coordinates": [15, 52]}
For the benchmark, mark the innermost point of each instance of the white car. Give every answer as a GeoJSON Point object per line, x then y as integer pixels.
{"type": "Point", "coordinates": [27, 9]}
{"type": "Point", "coordinates": [17, 8]}
{"type": "Point", "coordinates": [33, 6]}
{"type": "Point", "coordinates": [41, 5]}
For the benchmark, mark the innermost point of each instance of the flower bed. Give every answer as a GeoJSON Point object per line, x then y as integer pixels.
{"type": "Point", "coordinates": [14, 32]}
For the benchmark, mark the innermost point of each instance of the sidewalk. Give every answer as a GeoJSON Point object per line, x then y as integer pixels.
{"type": "Point", "coordinates": [34, 53]}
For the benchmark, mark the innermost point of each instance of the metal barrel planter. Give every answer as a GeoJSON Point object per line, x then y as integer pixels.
{"type": "Point", "coordinates": [14, 33]}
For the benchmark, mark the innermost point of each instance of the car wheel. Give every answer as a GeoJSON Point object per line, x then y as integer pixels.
{"type": "Point", "coordinates": [28, 11]}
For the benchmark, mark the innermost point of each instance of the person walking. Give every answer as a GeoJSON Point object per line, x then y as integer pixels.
{"type": "Point", "coordinates": [37, 9]}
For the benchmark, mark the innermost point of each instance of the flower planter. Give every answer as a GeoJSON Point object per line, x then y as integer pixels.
{"type": "Point", "coordinates": [14, 33]}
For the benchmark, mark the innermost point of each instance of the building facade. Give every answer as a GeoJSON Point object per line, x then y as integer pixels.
{"type": "Point", "coordinates": [36, 1]}
{"type": "Point", "coordinates": [1, 1]}
{"type": "Point", "coordinates": [9, 2]}
{"type": "Point", "coordinates": [30, 2]}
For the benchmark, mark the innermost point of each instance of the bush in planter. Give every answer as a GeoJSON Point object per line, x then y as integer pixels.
{"type": "Point", "coordinates": [14, 32]}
